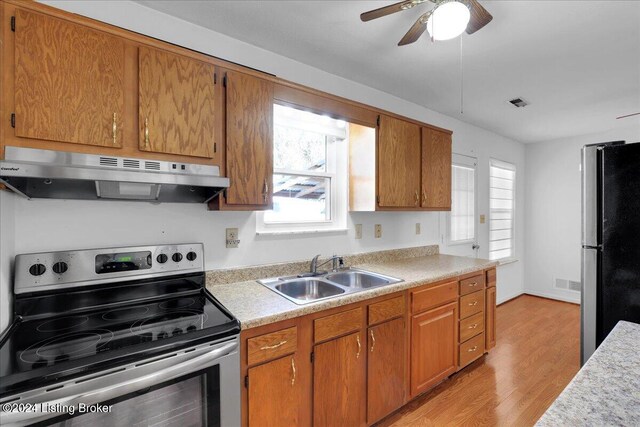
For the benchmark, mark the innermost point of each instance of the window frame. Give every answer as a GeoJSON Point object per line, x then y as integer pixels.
{"type": "Point", "coordinates": [493, 162]}
{"type": "Point", "coordinates": [463, 160]}
{"type": "Point", "coordinates": [337, 202]}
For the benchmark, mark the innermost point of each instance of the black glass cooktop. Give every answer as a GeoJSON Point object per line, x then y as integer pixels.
{"type": "Point", "coordinates": [61, 335]}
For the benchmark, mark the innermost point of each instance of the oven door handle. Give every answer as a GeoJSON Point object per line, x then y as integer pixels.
{"type": "Point", "coordinates": [112, 391]}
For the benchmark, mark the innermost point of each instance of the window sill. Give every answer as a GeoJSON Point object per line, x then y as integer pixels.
{"type": "Point", "coordinates": [302, 232]}
{"type": "Point", "coordinates": [506, 261]}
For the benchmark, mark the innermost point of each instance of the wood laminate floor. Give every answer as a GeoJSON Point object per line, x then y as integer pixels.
{"type": "Point", "coordinates": [537, 354]}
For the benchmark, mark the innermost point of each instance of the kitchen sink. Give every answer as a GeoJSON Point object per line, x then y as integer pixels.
{"type": "Point", "coordinates": [305, 290]}
{"type": "Point", "coordinates": [359, 279]}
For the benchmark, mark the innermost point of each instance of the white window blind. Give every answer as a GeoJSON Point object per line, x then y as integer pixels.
{"type": "Point", "coordinates": [502, 206]}
{"type": "Point", "coordinates": [462, 204]}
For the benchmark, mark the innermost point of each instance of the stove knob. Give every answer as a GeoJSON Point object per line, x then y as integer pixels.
{"type": "Point", "coordinates": [177, 257]}
{"type": "Point", "coordinates": [60, 267]}
{"type": "Point", "coordinates": [37, 269]}
{"type": "Point", "coordinates": [191, 256]}
{"type": "Point", "coordinates": [162, 258]}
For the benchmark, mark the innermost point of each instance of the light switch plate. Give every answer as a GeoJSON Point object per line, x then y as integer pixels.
{"type": "Point", "coordinates": [232, 238]}
{"type": "Point", "coordinates": [418, 231]}
{"type": "Point", "coordinates": [482, 219]}
{"type": "Point", "coordinates": [378, 231]}
{"type": "Point", "coordinates": [358, 231]}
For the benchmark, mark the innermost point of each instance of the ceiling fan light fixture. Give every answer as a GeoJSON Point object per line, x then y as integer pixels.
{"type": "Point", "coordinates": [448, 20]}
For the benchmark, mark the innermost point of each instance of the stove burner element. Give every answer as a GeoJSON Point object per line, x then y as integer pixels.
{"type": "Point", "coordinates": [127, 313]}
{"type": "Point", "coordinates": [62, 323]}
{"type": "Point", "coordinates": [177, 304]}
{"type": "Point", "coordinates": [74, 344]}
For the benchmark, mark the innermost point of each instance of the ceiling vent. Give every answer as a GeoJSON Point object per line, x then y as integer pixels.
{"type": "Point", "coordinates": [519, 102]}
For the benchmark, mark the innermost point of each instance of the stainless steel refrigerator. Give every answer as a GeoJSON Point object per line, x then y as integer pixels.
{"type": "Point", "coordinates": [610, 240]}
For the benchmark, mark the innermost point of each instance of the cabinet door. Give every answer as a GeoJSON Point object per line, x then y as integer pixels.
{"type": "Point", "coordinates": [385, 369]}
{"type": "Point", "coordinates": [274, 394]}
{"type": "Point", "coordinates": [434, 341]}
{"type": "Point", "coordinates": [69, 82]}
{"type": "Point", "coordinates": [398, 163]}
{"type": "Point", "coordinates": [339, 388]}
{"type": "Point", "coordinates": [176, 111]}
{"type": "Point", "coordinates": [490, 319]}
{"type": "Point", "coordinates": [249, 140]}
{"type": "Point", "coordinates": [436, 169]}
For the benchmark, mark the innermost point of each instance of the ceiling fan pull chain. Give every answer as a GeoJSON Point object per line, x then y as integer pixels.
{"type": "Point", "coordinates": [461, 80]}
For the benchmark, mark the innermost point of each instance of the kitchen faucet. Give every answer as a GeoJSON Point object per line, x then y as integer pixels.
{"type": "Point", "coordinates": [336, 260]}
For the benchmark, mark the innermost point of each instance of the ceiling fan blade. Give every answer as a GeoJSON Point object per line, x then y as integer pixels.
{"type": "Point", "coordinates": [628, 115]}
{"type": "Point", "coordinates": [479, 17]}
{"type": "Point", "coordinates": [388, 10]}
{"type": "Point", "coordinates": [415, 31]}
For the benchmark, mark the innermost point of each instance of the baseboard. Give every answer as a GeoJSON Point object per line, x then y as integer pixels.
{"type": "Point", "coordinates": [572, 300]}
{"type": "Point", "coordinates": [509, 298]}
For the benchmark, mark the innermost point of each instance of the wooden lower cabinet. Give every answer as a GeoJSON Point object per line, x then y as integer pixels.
{"type": "Point", "coordinates": [274, 393]}
{"type": "Point", "coordinates": [385, 369]}
{"type": "Point", "coordinates": [490, 319]}
{"type": "Point", "coordinates": [339, 393]}
{"type": "Point", "coordinates": [434, 346]}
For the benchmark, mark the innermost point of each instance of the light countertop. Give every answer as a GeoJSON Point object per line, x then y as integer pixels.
{"type": "Point", "coordinates": [255, 305]}
{"type": "Point", "coordinates": [606, 391]}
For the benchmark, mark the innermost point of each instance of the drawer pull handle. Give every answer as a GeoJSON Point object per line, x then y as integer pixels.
{"type": "Point", "coordinates": [473, 303]}
{"type": "Point", "coordinates": [271, 347]}
{"type": "Point", "coordinates": [146, 132]}
{"type": "Point", "coordinates": [475, 325]}
{"type": "Point", "coordinates": [472, 349]}
{"type": "Point", "coordinates": [417, 198]}
{"type": "Point", "coordinates": [293, 369]}
{"type": "Point", "coordinates": [115, 129]}
{"type": "Point", "coordinates": [373, 340]}
{"type": "Point", "coordinates": [473, 284]}
{"type": "Point", "coordinates": [359, 346]}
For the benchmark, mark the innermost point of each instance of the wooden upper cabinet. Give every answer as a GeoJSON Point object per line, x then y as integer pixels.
{"type": "Point", "coordinates": [69, 82]}
{"type": "Point", "coordinates": [339, 382]}
{"type": "Point", "coordinates": [275, 393]}
{"type": "Point", "coordinates": [176, 104]}
{"type": "Point", "coordinates": [249, 140]}
{"type": "Point", "coordinates": [399, 164]}
{"type": "Point", "coordinates": [436, 169]}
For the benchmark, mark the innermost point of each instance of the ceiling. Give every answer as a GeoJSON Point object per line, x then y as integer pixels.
{"type": "Point", "coordinates": [577, 63]}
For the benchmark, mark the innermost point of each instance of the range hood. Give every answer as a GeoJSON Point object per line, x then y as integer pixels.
{"type": "Point", "coordinates": [48, 174]}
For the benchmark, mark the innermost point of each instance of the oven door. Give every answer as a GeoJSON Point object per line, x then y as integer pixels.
{"type": "Point", "coordinates": [198, 386]}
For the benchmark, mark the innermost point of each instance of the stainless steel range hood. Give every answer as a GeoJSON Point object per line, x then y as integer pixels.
{"type": "Point", "coordinates": [50, 174]}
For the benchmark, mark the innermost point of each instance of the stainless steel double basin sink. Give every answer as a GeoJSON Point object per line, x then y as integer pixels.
{"type": "Point", "coordinates": [305, 290]}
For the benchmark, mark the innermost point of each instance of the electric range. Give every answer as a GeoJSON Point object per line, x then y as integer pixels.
{"type": "Point", "coordinates": [133, 329]}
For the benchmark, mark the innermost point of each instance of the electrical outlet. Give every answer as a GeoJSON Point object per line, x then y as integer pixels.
{"type": "Point", "coordinates": [358, 231]}
{"type": "Point", "coordinates": [482, 219]}
{"type": "Point", "coordinates": [378, 231]}
{"type": "Point", "coordinates": [232, 238]}
{"type": "Point", "coordinates": [418, 231]}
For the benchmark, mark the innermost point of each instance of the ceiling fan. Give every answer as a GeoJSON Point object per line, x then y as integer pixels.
{"type": "Point", "coordinates": [448, 19]}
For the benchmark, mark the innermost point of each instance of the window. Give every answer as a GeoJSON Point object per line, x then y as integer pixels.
{"type": "Point", "coordinates": [463, 201]}
{"type": "Point", "coordinates": [502, 178]}
{"type": "Point", "coordinates": [309, 175]}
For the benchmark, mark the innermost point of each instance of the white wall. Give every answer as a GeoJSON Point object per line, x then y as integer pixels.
{"type": "Point", "coordinates": [43, 225]}
{"type": "Point", "coordinates": [553, 205]}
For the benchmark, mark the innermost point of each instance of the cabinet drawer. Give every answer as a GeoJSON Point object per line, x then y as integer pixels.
{"type": "Point", "coordinates": [385, 310]}
{"type": "Point", "coordinates": [270, 346]}
{"type": "Point", "coordinates": [471, 326]}
{"type": "Point", "coordinates": [471, 350]}
{"type": "Point", "coordinates": [471, 304]}
{"type": "Point", "coordinates": [491, 278]}
{"type": "Point", "coordinates": [338, 324]}
{"type": "Point", "coordinates": [433, 296]}
{"type": "Point", "coordinates": [472, 284]}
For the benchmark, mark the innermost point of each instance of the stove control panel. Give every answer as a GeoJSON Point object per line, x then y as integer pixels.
{"type": "Point", "coordinates": [57, 270]}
